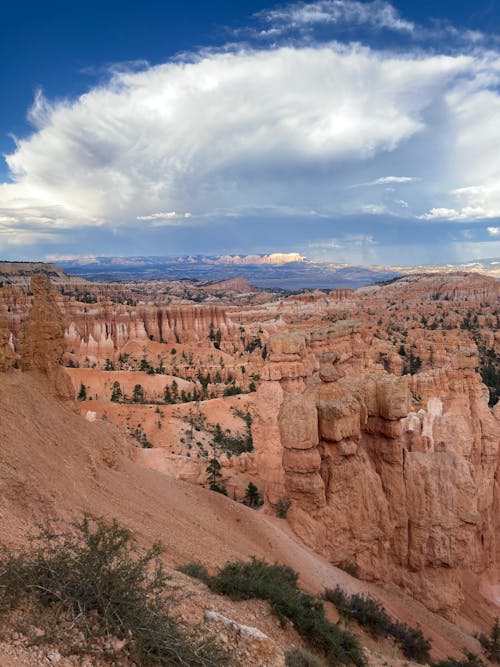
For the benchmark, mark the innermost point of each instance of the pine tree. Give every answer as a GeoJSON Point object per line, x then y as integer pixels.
{"type": "Point", "coordinates": [138, 395]}
{"type": "Point", "coordinates": [214, 476]}
{"type": "Point", "coordinates": [116, 394]}
{"type": "Point", "coordinates": [252, 496]}
{"type": "Point", "coordinates": [82, 394]}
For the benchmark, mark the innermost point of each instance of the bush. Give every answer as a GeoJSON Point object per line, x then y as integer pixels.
{"type": "Point", "coordinates": [299, 657]}
{"type": "Point", "coordinates": [491, 643]}
{"type": "Point", "coordinates": [470, 660]}
{"type": "Point", "coordinates": [196, 571]}
{"type": "Point", "coordinates": [350, 567]}
{"type": "Point", "coordinates": [95, 574]}
{"type": "Point", "coordinates": [371, 614]}
{"type": "Point", "coordinates": [278, 585]}
{"type": "Point", "coordinates": [282, 507]}
{"type": "Point", "coordinates": [365, 610]}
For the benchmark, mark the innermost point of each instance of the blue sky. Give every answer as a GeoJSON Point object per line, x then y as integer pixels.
{"type": "Point", "coordinates": [348, 130]}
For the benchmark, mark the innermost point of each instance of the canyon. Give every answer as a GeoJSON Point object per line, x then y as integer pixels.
{"type": "Point", "coordinates": [360, 416]}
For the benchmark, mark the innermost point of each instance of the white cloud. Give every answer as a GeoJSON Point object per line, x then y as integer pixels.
{"type": "Point", "coordinates": [478, 202]}
{"type": "Point", "coordinates": [388, 180]}
{"type": "Point", "coordinates": [377, 14]}
{"type": "Point", "coordinates": [393, 179]}
{"type": "Point", "coordinates": [228, 132]}
{"type": "Point", "coordinates": [276, 134]}
{"type": "Point", "coordinates": [494, 231]}
{"type": "Point", "coordinates": [169, 215]}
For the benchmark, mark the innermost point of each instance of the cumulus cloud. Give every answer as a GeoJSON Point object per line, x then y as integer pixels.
{"type": "Point", "coordinates": [494, 231]}
{"type": "Point", "coordinates": [221, 133]}
{"type": "Point", "coordinates": [478, 202]}
{"type": "Point", "coordinates": [278, 133]}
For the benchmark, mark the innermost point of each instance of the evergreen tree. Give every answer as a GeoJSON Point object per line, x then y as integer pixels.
{"type": "Point", "coordinates": [214, 476]}
{"type": "Point", "coordinates": [82, 394]}
{"type": "Point", "coordinates": [138, 395]}
{"type": "Point", "coordinates": [116, 394]}
{"type": "Point", "coordinates": [252, 497]}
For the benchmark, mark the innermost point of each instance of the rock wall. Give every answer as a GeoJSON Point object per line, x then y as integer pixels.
{"type": "Point", "coordinates": [6, 351]}
{"type": "Point", "coordinates": [99, 331]}
{"type": "Point", "coordinates": [395, 474]}
{"type": "Point", "coordinates": [42, 337]}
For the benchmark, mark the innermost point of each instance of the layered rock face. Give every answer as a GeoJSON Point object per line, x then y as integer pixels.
{"type": "Point", "coordinates": [42, 337]}
{"type": "Point", "coordinates": [99, 331]}
{"type": "Point", "coordinates": [393, 474]}
{"type": "Point", "coordinates": [6, 350]}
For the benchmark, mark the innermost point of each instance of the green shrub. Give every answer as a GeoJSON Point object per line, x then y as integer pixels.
{"type": "Point", "coordinates": [371, 614]}
{"type": "Point", "coordinates": [95, 574]}
{"type": "Point", "coordinates": [282, 507]}
{"type": "Point", "coordinates": [300, 657]}
{"type": "Point", "coordinates": [350, 567]}
{"type": "Point", "coordinates": [470, 660]}
{"type": "Point", "coordinates": [491, 643]}
{"type": "Point", "coordinates": [278, 585]}
{"type": "Point", "coordinates": [195, 570]}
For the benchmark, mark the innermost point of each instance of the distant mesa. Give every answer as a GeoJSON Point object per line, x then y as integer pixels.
{"type": "Point", "coordinates": [237, 285]}
{"type": "Point", "coordinates": [20, 273]}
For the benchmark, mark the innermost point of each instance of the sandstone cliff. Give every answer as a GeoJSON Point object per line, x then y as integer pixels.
{"type": "Point", "coordinates": [6, 351]}
{"type": "Point", "coordinates": [395, 475]}
{"type": "Point", "coordinates": [42, 339]}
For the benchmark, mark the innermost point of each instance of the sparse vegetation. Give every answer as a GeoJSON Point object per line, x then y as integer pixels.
{"type": "Point", "coordinates": [371, 614]}
{"type": "Point", "coordinates": [491, 642]}
{"type": "Point", "coordinates": [350, 567]}
{"type": "Point", "coordinates": [139, 434]}
{"type": "Point", "coordinates": [278, 585]}
{"type": "Point", "coordinates": [300, 657]}
{"type": "Point", "coordinates": [93, 577]}
{"type": "Point", "coordinates": [470, 660]}
{"type": "Point", "coordinates": [282, 507]}
{"type": "Point", "coordinates": [491, 378]}
{"type": "Point", "coordinates": [232, 444]}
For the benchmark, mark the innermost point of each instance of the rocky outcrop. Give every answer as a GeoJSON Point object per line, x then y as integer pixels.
{"type": "Point", "coordinates": [42, 340]}
{"type": "Point", "coordinates": [6, 351]}
{"type": "Point", "coordinates": [20, 273]}
{"type": "Point", "coordinates": [395, 474]}
{"type": "Point", "coordinates": [99, 331]}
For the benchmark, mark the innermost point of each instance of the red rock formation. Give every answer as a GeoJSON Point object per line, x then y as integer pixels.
{"type": "Point", "coordinates": [43, 345]}
{"type": "Point", "coordinates": [395, 474]}
{"type": "Point", "coordinates": [6, 351]}
{"type": "Point", "coordinates": [99, 331]}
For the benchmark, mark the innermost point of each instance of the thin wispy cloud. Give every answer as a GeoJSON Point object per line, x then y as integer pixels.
{"type": "Point", "coordinates": [302, 15]}
{"type": "Point", "coordinates": [168, 215]}
{"type": "Point", "coordinates": [388, 180]}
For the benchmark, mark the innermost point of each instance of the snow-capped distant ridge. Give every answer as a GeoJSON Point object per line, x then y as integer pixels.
{"type": "Point", "coordinates": [275, 258]}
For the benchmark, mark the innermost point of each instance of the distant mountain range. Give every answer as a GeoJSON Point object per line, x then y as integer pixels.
{"type": "Point", "coordinates": [289, 271]}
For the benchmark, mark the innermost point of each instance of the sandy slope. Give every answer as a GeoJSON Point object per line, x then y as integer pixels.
{"type": "Point", "coordinates": [55, 464]}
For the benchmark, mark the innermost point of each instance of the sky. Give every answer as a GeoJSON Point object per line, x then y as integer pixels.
{"type": "Point", "coordinates": [354, 131]}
